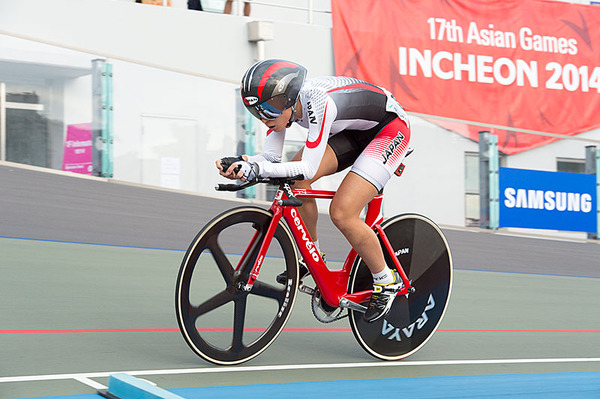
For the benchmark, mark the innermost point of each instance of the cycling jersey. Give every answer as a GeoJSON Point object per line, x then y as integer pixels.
{"type": "Point", "coordinates": [330, 106]}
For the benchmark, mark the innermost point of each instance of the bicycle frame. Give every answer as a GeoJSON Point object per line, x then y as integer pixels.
{"type": "Point", "coordinates": [333, 284]}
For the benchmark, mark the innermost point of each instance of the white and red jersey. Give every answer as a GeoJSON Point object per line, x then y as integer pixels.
{"type": "Point", "coordinates": [329, 105]}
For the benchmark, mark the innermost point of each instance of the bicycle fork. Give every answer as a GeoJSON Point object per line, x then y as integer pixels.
{"type": "Point", "coordinates": [373, 219]}
{"type": "Point", "coordinates": [265, 238]}
{"type": "Point", "coordinates": [407, 288]}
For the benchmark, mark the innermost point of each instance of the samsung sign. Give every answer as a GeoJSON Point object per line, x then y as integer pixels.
{"type": "Point", "coordinates": [547, 200]}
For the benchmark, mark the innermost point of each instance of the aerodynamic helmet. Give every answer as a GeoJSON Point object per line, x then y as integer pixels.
{"type": "Point", "coordinates": [270, 87]}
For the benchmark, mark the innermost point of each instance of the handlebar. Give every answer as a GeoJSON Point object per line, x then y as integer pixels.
{"type": "Point", "coordinates": [275, 181]}
{"type": "Point", "coordinates": [235, 187]}
{"type": "Point", "coordinates": [279, 181]}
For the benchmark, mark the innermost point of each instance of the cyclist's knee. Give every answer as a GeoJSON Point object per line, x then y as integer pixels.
{"type": "Point", "coordinates": [340, 216]}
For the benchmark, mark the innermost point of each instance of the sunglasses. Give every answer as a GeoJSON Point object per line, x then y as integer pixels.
{"type": "Point", "coordinates": [270, 109]}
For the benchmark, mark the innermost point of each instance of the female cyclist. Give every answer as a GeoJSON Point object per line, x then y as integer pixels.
{"type": "Point", "coordinates": [350, 123]}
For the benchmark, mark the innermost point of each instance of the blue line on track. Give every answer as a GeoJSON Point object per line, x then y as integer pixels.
{"type": "Point", "coordinates": [329, 260]}
{"type": "Point", "coordinates": [547, 385]}
{"type": "Point", "coordinates": [92, 243]}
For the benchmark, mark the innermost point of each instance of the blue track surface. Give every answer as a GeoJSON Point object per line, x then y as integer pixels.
{"type": "Point", "coordinates": [547, 385]}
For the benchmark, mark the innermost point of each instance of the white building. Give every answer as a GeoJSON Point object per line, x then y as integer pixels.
{"type": "Point", "coordinates": [176, 105]}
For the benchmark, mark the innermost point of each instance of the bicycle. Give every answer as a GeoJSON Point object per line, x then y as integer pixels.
{"type": "Point", "coordinates": [250, 245]}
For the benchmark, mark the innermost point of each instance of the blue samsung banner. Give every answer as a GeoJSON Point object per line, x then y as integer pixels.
{"type": "Point", "coordinates": [547, 200]}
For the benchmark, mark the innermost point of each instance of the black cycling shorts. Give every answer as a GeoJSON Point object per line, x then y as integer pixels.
{"type": "Point", "coordinates": [349, 144]}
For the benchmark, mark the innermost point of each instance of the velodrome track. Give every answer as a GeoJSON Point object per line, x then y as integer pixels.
{"type": "Point", "coordinates": [87, 276]}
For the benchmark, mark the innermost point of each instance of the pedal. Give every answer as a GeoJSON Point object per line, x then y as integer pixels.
{"type": "Point", "coordinates": [306, 289]}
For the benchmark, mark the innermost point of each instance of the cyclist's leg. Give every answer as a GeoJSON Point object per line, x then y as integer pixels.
{"type": "Point", "coordinates": [309, 211]}
{"type": "Point", "coordinates": [352, 196]}
{"type": "Point", "coordinates": [369, 174]}
{"type": "Point", "coordinates": [371, 171]}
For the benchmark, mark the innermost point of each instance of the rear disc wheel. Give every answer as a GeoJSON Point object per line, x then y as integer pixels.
{"type": "Point", "coordinates": [423, 252]}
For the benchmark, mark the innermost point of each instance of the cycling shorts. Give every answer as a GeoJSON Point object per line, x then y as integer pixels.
{"type": "Point", "coordinates": [374, 154]}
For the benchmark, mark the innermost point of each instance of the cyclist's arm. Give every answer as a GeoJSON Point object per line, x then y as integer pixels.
{"type": "Point", "coordinates": [316, 143]}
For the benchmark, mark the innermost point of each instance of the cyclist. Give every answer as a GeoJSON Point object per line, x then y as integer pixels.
{"type": "Point", "coordinates": [350, 123]}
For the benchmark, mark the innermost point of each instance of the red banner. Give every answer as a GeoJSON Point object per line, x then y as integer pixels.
{"type": "Point", "coordinates": [526, 64]}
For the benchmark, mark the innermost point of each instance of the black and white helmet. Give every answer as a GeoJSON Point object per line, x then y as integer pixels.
{"type": "Point", "coordinates": [270, 87]}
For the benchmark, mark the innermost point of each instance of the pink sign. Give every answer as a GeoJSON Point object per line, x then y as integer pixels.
{"type": "Point", "coordinates": [78, 149]}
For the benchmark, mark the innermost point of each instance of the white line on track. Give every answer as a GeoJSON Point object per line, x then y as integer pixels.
{"type": "Point", "coordinates": [86, 377]}
{"type": "Point", "coordinates": [91, 383]}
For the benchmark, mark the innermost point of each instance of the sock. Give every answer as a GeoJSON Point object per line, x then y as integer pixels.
{"type": "Point", "coordinates": [384, 277]}
{"type": "Point", "coordinates": [317, 245]}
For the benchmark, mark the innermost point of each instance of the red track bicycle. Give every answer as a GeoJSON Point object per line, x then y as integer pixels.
{"type": "Point", "coordinates": [230, 307]}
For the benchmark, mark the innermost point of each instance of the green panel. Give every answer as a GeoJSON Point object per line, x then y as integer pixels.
{"type": "Point", "coordinates": [107, 121]}
{"type": "Point", "coordinates": [494, 183]}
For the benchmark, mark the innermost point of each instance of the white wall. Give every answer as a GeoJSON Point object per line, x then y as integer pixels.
{"type": "Point", "coordinates": [544, 158]}
{"type": "Point", "coordinates": [434, 178]}
{"type": "Point", "coordinates": [142, 92]}
{"type": "Point", "coordinates": [185, 65]}
{"type": "Point", "coordinates": [178, 64]}
{"type": "Point", "coordinates": [198, 43]}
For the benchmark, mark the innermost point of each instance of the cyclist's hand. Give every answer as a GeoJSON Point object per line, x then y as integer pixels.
{"type": "Point", "coordinates": [227, 167]}
{"type": "Point", "coordinates": [248, 171]}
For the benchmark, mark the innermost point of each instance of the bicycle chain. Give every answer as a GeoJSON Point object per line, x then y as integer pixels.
{"type": "Point", "coordinates": [328, 316]}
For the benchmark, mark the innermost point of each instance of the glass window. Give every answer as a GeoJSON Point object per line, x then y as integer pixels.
{"type": "Point", "coordinates": [472, 172]}
{"type": "Point", "coordinates": [571, 165]}
{"type": "Point", "coordinates": [472, 214]}
{"type": "Point", "coordinates": [27, 128]}
{"type": "Point", "coordinates": [45, 91]}
{"type": "Point", "coordinates": [471, 189]}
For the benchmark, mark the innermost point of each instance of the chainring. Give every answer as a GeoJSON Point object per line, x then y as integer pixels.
{"type": "Point", "coordinates": [322, 311]}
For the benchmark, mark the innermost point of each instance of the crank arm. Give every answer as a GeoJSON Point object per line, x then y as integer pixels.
{"type": "Point", "coordinates": [348, 304]}
{"type": "Point", "coordinates": [306, 289]}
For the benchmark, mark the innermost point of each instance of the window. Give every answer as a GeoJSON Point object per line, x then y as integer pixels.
{"type": "Point", "coordinates": [471, 189]}
{"type": "Point", "coordinates": [571, 165]}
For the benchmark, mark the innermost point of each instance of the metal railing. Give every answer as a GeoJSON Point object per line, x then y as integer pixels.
{"type": "Point", "coordinates": [309, 8]}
